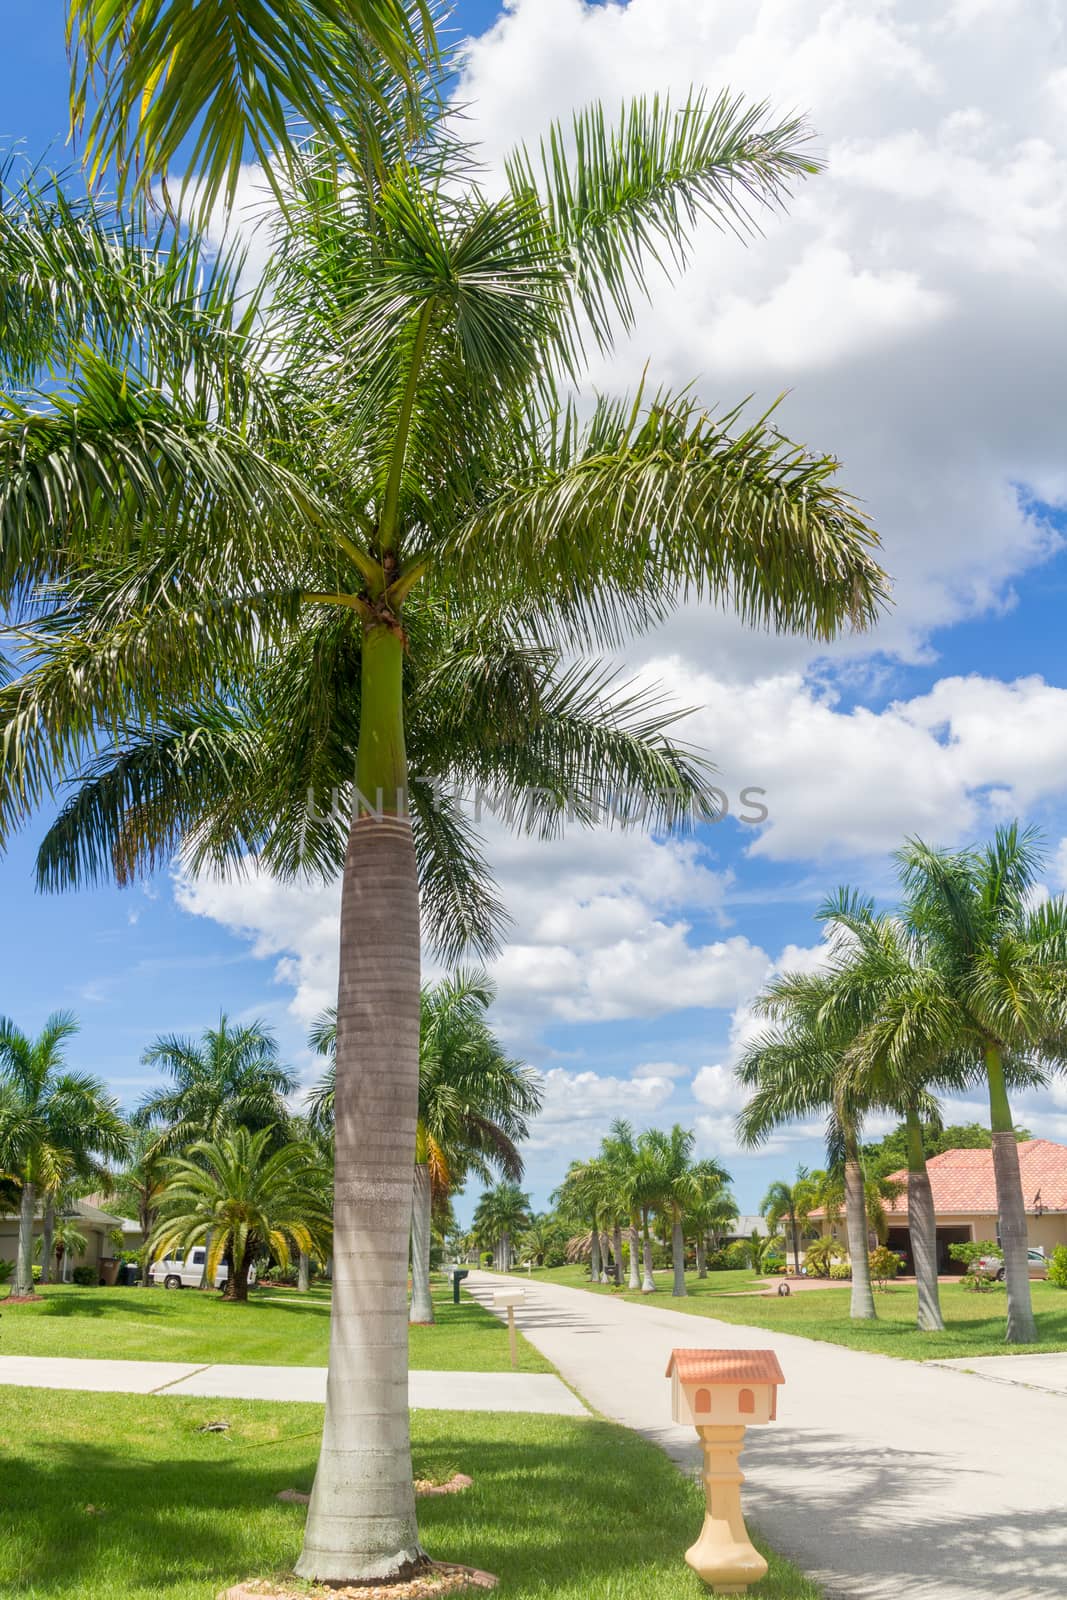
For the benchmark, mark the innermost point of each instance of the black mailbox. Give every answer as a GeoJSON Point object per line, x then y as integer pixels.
{"type": "Point", "coordinates": [458, 1275]}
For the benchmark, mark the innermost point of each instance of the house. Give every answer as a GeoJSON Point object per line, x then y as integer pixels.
{"type": "Point", "coordinates": [965, 1201]}
{"type": "Point", "coordinates": [96, 1224]}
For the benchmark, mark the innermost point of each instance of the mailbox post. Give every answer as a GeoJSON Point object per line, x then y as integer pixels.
{"type": "Point", "coordinates": [458, 1275]}
{"type": "Point", "coordinates": [719, 1392]}
{"type": "Point", "coordinates": [507, 1300]}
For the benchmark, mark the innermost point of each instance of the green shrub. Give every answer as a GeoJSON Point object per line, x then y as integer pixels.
{"type": "Point", "coordinates": [555, 1256]}
{"type": "Point", "coordinates": [840, 1270]}
{"type": "Point", "coordinates": [820, 1256]}
{"type": "Point", "coordinates": [885, 1264]}
{"type": "Point", "coordinates": [736, 1256]}
{"type": "Point", "coordinates": [716, 1260]}
{"type": "Point", "coordinates": [35, 1273]}
{"type": "Point", "coordinates": [968, 1255]}
{"type": "Point", "coordinates": [85, 1277]}
{"type": "Point", "coordinates": [773, 1264]}
{"type": "Point", "coordinates": [1057, 1267]}
{"type": "Point", "coordinates": [7, 1270]}
{"type": "Point", "coordinates": [487, 1258]}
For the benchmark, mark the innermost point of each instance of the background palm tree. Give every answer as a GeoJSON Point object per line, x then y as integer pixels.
{"type": "Point", "coordinates": [678, 1183]}
{"type": "Point", "coordinates": [473, 1105]}
{"type": "Point", "coordinates": [240, 1196]}
{"type": "Point", "coordinates": [400, 447]}
{"type": "Point", "coordinates": [620, 1152]}
{"type": "Point", "coordinates": [709, 1217]}
{"type": "Point", "coordinates": [53, 1122]}
{"type": "Point", "coordinates": [797, 1069]}
{"type": "Point", "coordinates": [230, 1078]}
{"type": "Point", "coordinates": [501, 1215]}
{"type": "Point", "coordinates": [791, 1203]}
{"type": "Point", "coordinates": [136, 1189]}
{"type": "Point", "coordinates": [67, 1240]}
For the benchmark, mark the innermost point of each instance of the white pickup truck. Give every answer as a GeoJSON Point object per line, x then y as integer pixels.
{"type": "Point", "coordinates": [185, 1270]}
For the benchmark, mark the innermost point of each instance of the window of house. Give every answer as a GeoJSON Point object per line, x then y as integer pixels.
{"type": "Point", "coordinates": [702, 1401]}
{"type": "Point", "coordinates": [746, 1402]}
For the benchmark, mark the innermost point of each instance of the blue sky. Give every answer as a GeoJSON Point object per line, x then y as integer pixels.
{"type": "Point", "coordinates": [912, 306]}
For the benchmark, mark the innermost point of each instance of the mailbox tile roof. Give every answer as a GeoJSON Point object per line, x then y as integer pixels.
{"type": "Point", "coordinates": [725, 1366]}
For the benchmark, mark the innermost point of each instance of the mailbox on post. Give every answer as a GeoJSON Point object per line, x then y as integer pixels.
{"type": "Point", "coordinates": [458, 1275]}
{"type": "Point", "coordinates": [507, 1300]}
{"type": "Point", "coordinates": [719, 1392]}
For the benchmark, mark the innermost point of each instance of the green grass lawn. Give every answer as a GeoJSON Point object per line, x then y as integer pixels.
{"type": "Point", "coordinates": [276, 1328]}
{"type": "Point", "coordinates": [975, 1322]}
{"type": "Point", "coordinates": [576, 1276]}
{"type": "Point", "coordinates": [118, 1497]}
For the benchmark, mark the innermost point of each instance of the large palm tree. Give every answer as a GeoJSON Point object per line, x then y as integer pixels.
{"type": "Point", "coordinates": [231, 1077]}
{"type": "Point", "coordinates": [240, 1195]}
{"type": "Point", "coordinates": [54, 1123]}
{"type": "Point", "coordinates": [992, 989]}
{"type": "Point", "coordinates": [500, 1216]}
{"type": "Point", "coordinates": [213, 80]}
{"type": "Point", "coordinates": [273, 521]}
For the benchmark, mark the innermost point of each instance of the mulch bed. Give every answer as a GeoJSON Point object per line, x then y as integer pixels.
{"type": "Point", "coordinates": [439, 1577]}
{"type": "Point", "coordinates": [423, 1488]}
{"type": "Point", "coordinates": [22, 1299]}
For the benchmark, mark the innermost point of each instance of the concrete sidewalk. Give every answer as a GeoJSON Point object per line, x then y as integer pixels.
{"type": "Point", "coordinates": [428, 1391]}
{"type": "Point", "coordinates": [889, 1480]}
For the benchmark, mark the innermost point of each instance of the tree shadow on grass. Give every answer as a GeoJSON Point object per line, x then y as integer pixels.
{"type": "Point", "coordinates": [90, 1303]}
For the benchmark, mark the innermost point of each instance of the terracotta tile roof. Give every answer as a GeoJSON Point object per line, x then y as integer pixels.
{"type": "Point", "coordinates": [726, 1366]}
{"type": "Point", "coordinates": [962, 1180]}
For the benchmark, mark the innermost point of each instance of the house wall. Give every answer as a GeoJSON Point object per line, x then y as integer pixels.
{"type": "Point", "coordinates": [1044, 1233]}
{"type": "Point", "coordinates": [95, 1241]}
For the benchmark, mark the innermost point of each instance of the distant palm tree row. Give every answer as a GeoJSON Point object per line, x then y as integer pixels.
{"type": "Point", "coordinates": [216, 1156]}
{"type": "Point", "coordinates": [642, 1183]}
{"type": "Point", "coordinates": [965, 984]}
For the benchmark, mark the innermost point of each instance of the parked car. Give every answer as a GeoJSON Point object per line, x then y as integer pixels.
{"type": "Point", "coordinates": [185, 1270]}
{"type": "Point", "coordinates": [993, 1266]}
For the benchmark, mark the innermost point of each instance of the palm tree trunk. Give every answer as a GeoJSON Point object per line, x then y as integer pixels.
{"type": "Point", "coordinates": [594, 1254]}
{"type": "Point", "coordinates": [795, 1231]}
{"type": "Point", "coordinates": [505, 1251]}
{"type": "Point", "coordinates": [303, 1272]}
{"type": "Point", "coordinates": [648, 1282]}
{"type": "Point", "coordinates": [702, 1254]}
{"type": "Point", "coordinates": [421, 1303]}
{"type": "Point", "coordinates": [361, 1520]}
{"type": "Point", "coordinates": [47, 1235]}
{"type": "Point", "coordinates": [23, 1283]}
{"type": "Point", "coordinates": [1011, 1206]}
{"type": "Point", "coordinates": [616, 1250]}
{"type": "Point", "coordinates": [862, 1305]}
{"type": "Point", "coordinates": [922, 1228]}
{"type": "Point", "coordinates": [635, 1250]}
{"type": "Point", "coordinates": [678, 1258]}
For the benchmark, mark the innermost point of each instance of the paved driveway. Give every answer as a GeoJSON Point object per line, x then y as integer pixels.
{"type": "Point", "coordinates": [883, 1479]}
